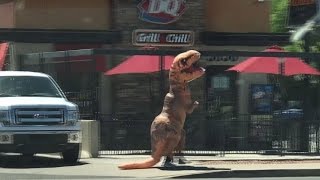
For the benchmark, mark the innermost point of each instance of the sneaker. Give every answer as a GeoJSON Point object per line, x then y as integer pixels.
{"type": "Point", "coordinates": [183, 160]}
{"type": "Point", "coordinates": [166, 161]}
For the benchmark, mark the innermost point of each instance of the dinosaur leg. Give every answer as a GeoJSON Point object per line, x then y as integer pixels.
{"type": "Point", "coordinates": [168, 160]}
{"type": "Point", "coordinates": [180, 147]}
{"type": "Point", "coordinates": [177, 151]}
{"type": "Point", "coordinates": [164, 132]}
{"type": "Point", "coordinates": [171, 144]}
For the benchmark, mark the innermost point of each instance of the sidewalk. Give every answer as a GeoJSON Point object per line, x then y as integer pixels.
{"type": "Point", "coordinates": [230, 165]}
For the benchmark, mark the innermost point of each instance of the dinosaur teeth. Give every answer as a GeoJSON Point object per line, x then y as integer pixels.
{"type": "Point", "coordinates": [203, 69]}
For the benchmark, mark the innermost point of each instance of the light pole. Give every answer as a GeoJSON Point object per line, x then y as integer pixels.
{"type": "Point", "coordinates": [303, 31]}
{"type": "Point", "coordinates": [307, 110]}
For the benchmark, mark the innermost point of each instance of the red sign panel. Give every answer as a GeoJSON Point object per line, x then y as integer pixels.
{"type": "Point", "coordinates": [161, 11]}
{"type": "Point", "coordinates": [143, 37]}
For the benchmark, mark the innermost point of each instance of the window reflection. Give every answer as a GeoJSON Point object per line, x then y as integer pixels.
{"type": "Point", "coordinates": [27, 86]}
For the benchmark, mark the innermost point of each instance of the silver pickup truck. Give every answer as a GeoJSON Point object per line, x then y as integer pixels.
{"type": "Point", "coordinates": [36, 117]}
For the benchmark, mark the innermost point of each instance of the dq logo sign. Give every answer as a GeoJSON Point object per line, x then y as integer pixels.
{"type": "Point", "coordinates": [161, 11]}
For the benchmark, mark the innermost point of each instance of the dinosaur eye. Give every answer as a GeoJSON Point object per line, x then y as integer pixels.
{"type": "Point", "coordinates": [184, 61]}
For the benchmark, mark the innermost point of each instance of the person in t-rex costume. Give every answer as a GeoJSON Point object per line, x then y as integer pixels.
{"type": "Point", "coordinates": [167, 128]}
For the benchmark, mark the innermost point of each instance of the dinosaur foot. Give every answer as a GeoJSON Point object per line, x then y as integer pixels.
{"type": "Point", "coordinates": [168, 162]}
{"type": "Point", "coordinates": [169, 165]}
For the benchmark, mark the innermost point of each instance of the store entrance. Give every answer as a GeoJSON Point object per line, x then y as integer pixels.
{"type": "Point", "coordinates": [221, 91]}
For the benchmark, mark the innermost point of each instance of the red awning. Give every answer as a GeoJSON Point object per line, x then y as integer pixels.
{"type": "Point", "coordinates": [3, 52]}
{"type": "Point", "coordinates": [141, 64]}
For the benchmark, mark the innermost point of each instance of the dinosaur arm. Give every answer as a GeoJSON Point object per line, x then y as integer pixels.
{"type": "Point", "coordinates": [192, 107]}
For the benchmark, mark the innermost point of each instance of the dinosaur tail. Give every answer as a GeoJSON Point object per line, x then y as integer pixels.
{"type": "Point", "coordinates": [140, 165]}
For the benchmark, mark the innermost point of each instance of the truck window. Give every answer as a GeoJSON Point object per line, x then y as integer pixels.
{"type": "Point", "coordinates": [27, 86]}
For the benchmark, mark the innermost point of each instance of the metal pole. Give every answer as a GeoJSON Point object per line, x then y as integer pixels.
{"type": "Point", "coordinates": [281, 72]}
{"type": "Point", "coordinates": [67, 62]}
{"type": "Point", "coordinates": [162, 84]}
{"type": "Point", "coordinates": [41, 62]}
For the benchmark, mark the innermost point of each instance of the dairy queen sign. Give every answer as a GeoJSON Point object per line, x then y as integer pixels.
{"type": "Point", "coordinates": [175, 38]}
{"type": "Point", "coordinates": [161, 11]}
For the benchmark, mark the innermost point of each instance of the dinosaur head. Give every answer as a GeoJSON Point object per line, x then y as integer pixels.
{"type": "Point", "coordinates": [185, 67]}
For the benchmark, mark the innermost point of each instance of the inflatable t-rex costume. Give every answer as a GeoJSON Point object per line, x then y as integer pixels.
{"type": "Point", "coordinates": [167, 128]}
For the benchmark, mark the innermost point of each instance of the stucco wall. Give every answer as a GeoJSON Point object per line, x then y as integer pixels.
{"type": "Point", "coordinates": [71, 14]}
{"type": "Point", "coordinates": [237, 15]}
{"type": "Point", "coordinates": [7, 15]}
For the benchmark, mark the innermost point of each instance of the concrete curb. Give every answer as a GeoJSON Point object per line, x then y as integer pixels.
{"type": "Point", "coordinates": [255, 173]}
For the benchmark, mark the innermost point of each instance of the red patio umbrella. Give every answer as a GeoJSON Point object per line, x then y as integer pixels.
{"type": "Point", "coordinates": [291, 65]}
{"type": "Point", "coordinates": [141, 64]}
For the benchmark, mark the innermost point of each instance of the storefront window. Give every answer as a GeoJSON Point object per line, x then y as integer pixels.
{"type": "Point", "coordinates": [220, 82]}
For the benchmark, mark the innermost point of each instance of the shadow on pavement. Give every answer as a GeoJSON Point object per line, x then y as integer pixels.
{"type": "Point", "coordinates": [47, 176]}
{"type": "Point", "coordinates": [19, 161]}
{"type": "Point", "coordinates": [179, 167]}
{"type": "Point", "coordinates": [256, 173]}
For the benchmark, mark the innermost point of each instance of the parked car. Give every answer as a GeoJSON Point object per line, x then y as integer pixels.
{"type": "Point", "coordinates": [36, 117]}
{"type": "Point", "coordinates": [288, 114]}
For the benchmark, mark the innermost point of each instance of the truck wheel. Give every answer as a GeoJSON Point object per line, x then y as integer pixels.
{"type": "Point", "coordinates": [71, 155]}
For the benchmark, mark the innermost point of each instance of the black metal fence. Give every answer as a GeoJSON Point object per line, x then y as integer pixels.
{"type": "Point", "coordinates": [237, 133]}
{"type": "Point", "coordinates": [87, 102]}
{"type": "Point", "coordinates": [245, 134]}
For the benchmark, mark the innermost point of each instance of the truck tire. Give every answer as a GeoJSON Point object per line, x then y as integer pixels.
{"type": "Point", "coordinates": [71, 156]}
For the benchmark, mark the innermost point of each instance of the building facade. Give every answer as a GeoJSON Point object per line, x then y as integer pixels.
{"type": "Point", "coordinates": [49, 26]}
